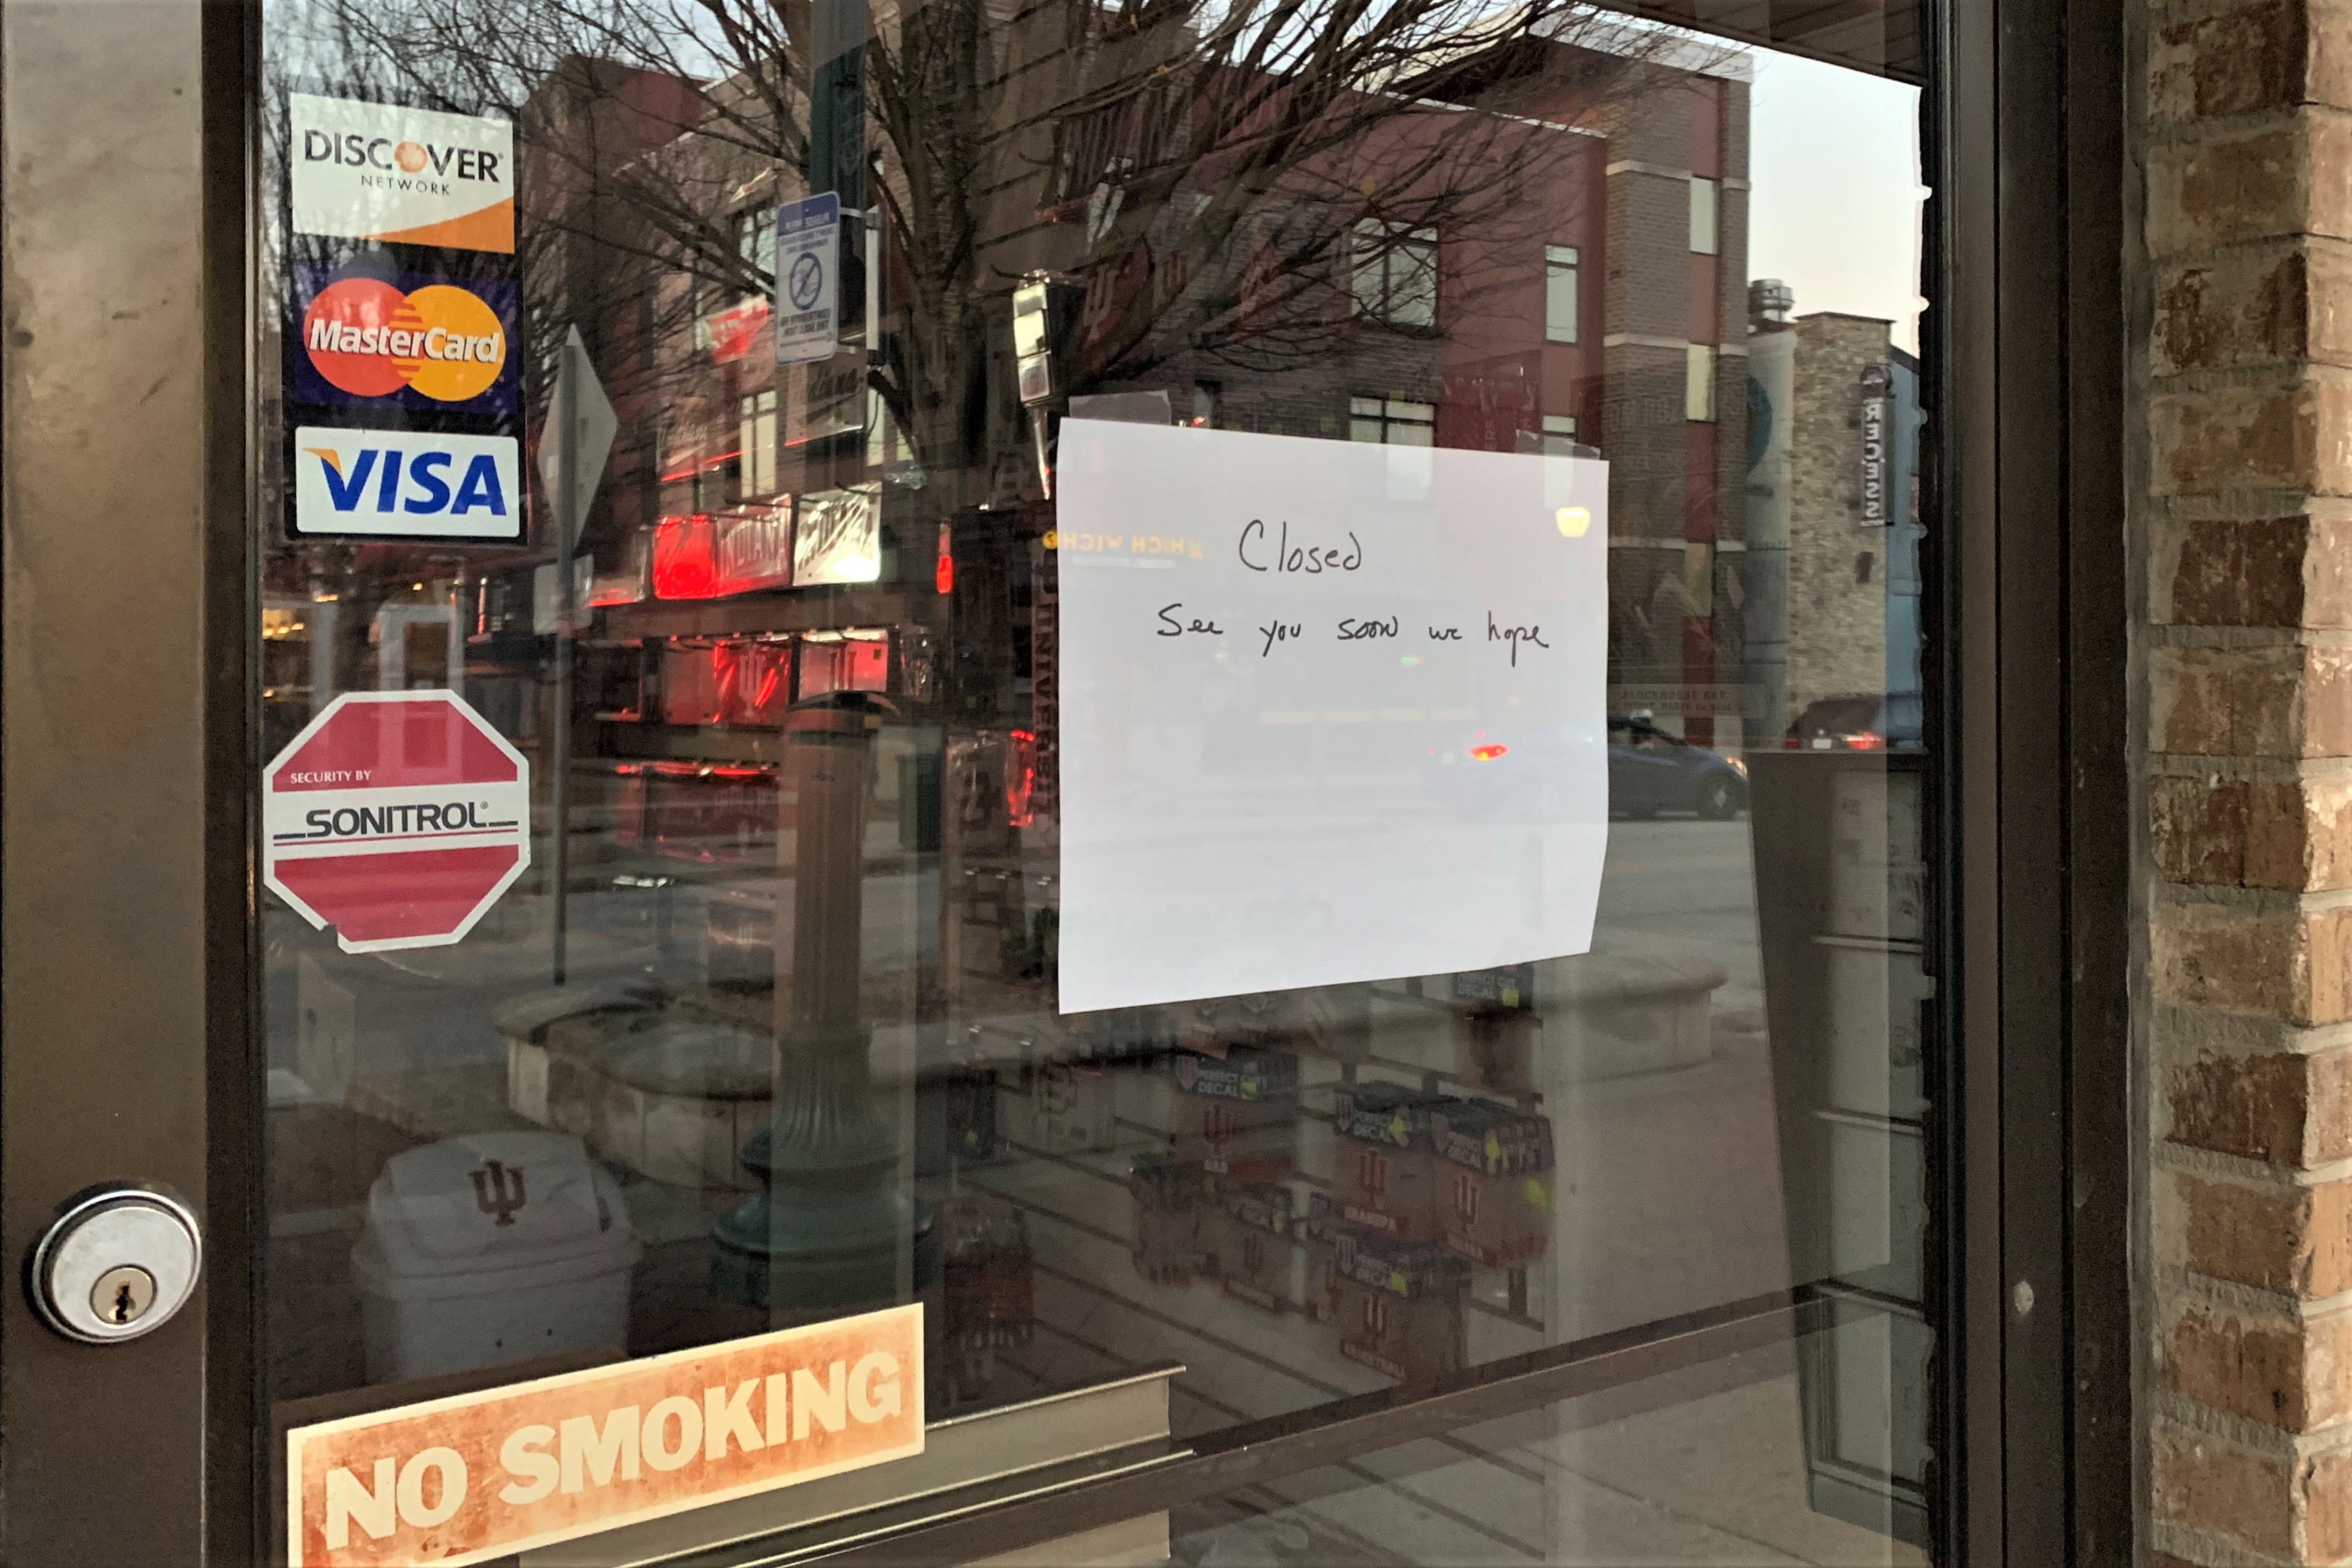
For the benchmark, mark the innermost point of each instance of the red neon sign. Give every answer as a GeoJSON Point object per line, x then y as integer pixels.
{"type": "Point", "coordinates": [711, 556]}
{"type": "Point", "coordinates": [1020, 777]}
{"type": "Point", "coordinates": [685, 558]}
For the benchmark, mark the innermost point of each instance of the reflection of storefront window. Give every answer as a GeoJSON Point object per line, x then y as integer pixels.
{"type": "Point", "coordinates": [1396, 274]}
{"type": "Point", "coordinates": [1560, 434]}
{"type": "Point", "coordinates": [1393, 421]}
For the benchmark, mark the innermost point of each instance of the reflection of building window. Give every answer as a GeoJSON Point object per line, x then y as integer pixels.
{"type": "Point", "coordinates": [1393, 421]}
{"type": "Point", "coordinates": [1396, 274]}
{"type": "Point", "coordinates": [884, 442]}
{"type": "Point", "coordinates": [1560, 293]}
{"type": "Point", "coordinates": [1560, 434]}
{"type": "Point", "coordinates": [1698, 388]}
{"type": "Point", "coordinates": [755, 243]}
{"type": "Point", "coordinates": [757, 470]}
{"type": "Point", "coordinates": [1704, 195]}
{"type": "Point", "coordinates": [746, 277]}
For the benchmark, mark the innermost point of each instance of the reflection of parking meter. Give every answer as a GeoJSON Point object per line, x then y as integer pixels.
{"type": "Point", "coordinates": [826, 1235]}
{"type": "Point", "coordinates": [1045, 306]}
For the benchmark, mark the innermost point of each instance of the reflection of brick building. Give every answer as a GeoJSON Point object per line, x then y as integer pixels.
{"type": "Point", "coordinates": [1561, 269]}
{"type": "Point", "coordinates": [1603, 312]}
{"type": "Point", "coordinates": [1833, 514]}
{"type": "Point", "coordinates": [1675, 422]}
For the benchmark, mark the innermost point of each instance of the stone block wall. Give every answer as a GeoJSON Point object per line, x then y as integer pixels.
{"type": "Point", "coordinates": [2246, 643]}
{"type": "Point", "coordinates": [1837, 625]}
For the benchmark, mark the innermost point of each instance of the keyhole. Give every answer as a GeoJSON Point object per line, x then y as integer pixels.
{"type": "Point", "coordinates": [121, 1296]}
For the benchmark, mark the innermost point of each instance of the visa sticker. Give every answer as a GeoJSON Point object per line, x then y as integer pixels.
{"type": "Point", "coordinates": [415, 483]}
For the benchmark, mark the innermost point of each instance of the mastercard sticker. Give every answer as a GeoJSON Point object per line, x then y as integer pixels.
{"type": "Point", "coordinates": [406, 340]}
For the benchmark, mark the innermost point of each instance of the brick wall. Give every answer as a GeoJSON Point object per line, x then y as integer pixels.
{"type": "Point", "coordinates": [2247, 646]}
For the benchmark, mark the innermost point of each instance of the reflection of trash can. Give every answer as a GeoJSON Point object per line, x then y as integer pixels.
{"type": "Point", "coordinates": [490, 1248]}
{"type": "Point", "coordinates": [1839, 896]}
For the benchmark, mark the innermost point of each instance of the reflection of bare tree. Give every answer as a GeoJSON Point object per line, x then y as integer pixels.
{"type": "Point", "coordinates": [1217, 175]}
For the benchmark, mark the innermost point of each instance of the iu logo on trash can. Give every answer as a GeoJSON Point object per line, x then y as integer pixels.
{"type": "Point", "coordinates": [398, 818]}
{"type": "Point", "coordinates": [499, 1191]}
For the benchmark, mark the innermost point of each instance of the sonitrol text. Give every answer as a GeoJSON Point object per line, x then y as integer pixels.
{"type": "Point", "coordinates": [418, 817]}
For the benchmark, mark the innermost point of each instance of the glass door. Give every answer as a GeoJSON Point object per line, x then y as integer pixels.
{"type": "Point", "coordinates": [1136, 684]}
{"type": "Point", "coordinates": [965, 705]}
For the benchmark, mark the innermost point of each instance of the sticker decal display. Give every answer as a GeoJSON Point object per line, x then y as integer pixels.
{"type": "Point", "coordinates": [389, 173]}
{"type": "Point", "coordinates": [403, 332]}
{"type": "Point", "coordinates": [410, 341]}
{"type": "Point", "coordinates": [407, 481]}
{"type": "Point", "coordinates": [398, 818]}
{"type": "Point", "coordinates": [480, 1476]}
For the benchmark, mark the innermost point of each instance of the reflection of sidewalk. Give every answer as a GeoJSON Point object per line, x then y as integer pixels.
{"type": "Point", "coordinates": [1669, 1191]}
{"type": "Point", "coordinates": [1694, 880]}
{"type": "Point", "coordinates": [1711, 1481]}
{"type": "Point", "coordinates": [1715, 1480]}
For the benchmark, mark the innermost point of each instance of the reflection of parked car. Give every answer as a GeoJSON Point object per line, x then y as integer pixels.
{"type": "Point", "coordinates": [1862, 722]}
{"type": "Point", "coordinates": [1650, 770]}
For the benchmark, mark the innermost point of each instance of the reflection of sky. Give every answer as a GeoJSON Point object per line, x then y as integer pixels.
{"type": "Point", "coordinates": [1833, 210]}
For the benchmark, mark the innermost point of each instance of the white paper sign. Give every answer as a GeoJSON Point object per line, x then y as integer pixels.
{"type": "Point", "coordinates": [1330, 711]}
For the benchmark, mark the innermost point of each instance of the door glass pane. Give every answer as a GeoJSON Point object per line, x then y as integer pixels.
{"type": "Point", "coordinates": [757, 422]}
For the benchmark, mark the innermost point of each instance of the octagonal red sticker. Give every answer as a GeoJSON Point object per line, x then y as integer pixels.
{"type": "Point", "coordinates": [398, 818]}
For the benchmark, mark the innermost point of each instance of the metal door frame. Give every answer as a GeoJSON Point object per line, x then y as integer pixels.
{"type": "Point", "coordinates": [2032, 171]}
{"type": "Point", "coordinates": [125, 920]}
{"type": "Point", "coordinates": [128, 919]}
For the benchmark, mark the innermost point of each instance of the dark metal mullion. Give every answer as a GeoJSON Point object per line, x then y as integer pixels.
{"type": "Point", "coordinates": [1334, 1434]}
{"type": "Point", "coordinates": [1961, 141]}
{"type": "Point", "coordinates": [237, 1432]}
{"type": "Point", "coordinates": [2035, 909]}
{"type": "Point", "coordinates": [2101, 1127]}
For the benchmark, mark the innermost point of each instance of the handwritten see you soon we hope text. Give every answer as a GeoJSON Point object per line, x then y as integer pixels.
{"type": "Point", "coordinates": [1260, 551]}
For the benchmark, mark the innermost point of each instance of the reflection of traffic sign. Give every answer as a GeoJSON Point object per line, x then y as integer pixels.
{"type": "Point", "coordinates": [398, 818]}
{"type": "Point", "coordinates": [580, 431]}
{"type": "Point", "coordinates": [808, 279]}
